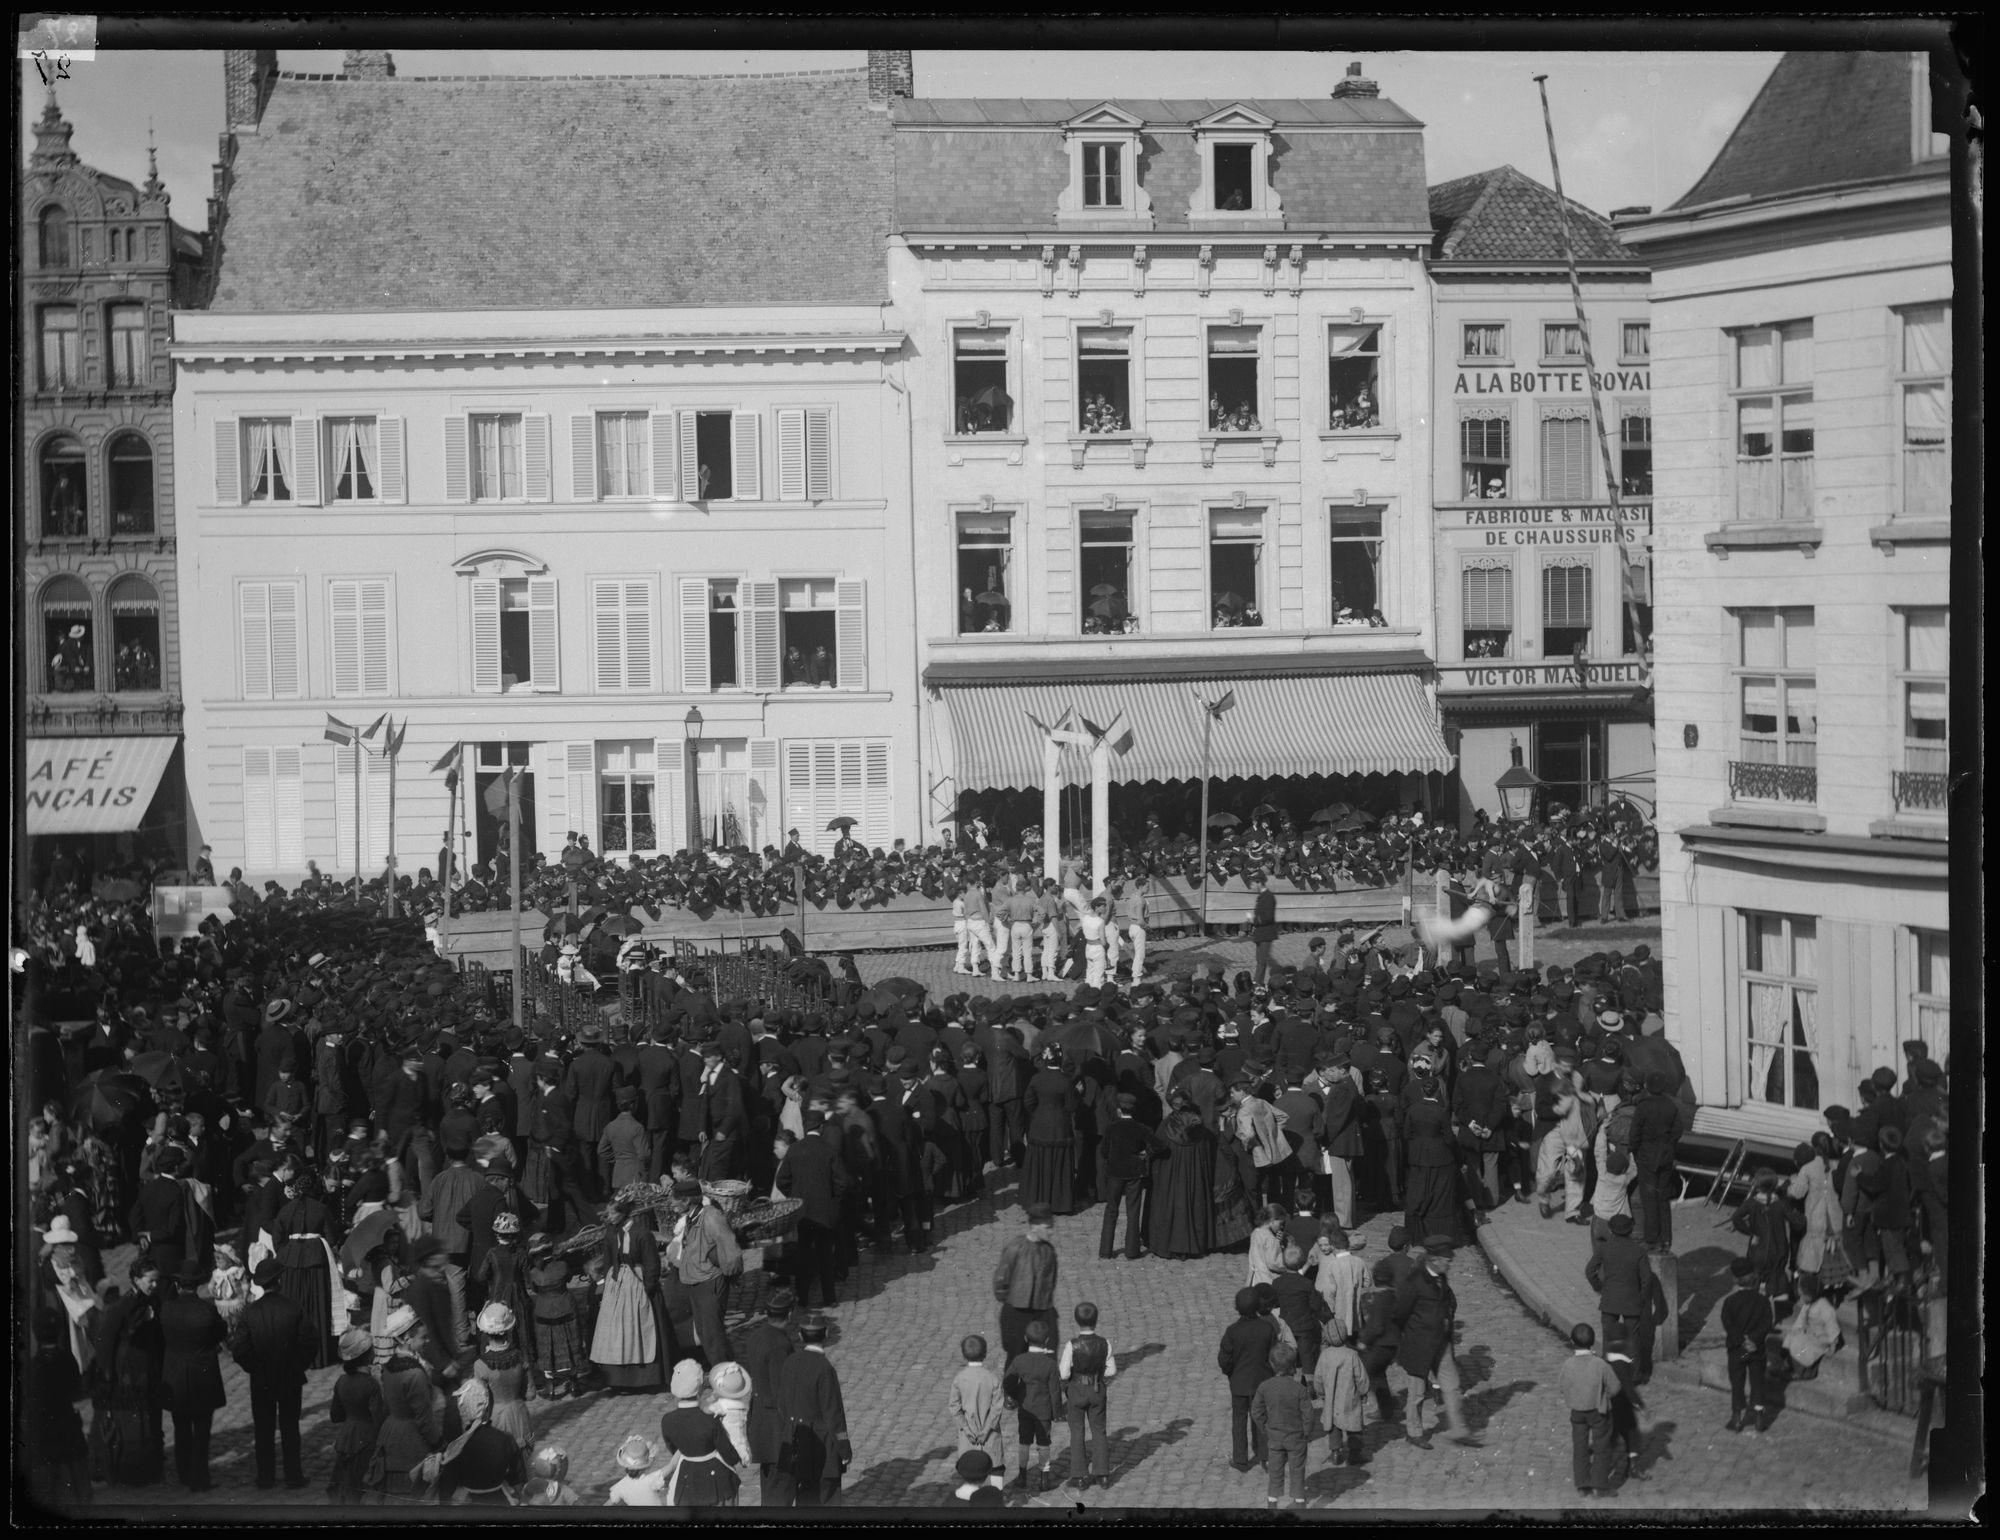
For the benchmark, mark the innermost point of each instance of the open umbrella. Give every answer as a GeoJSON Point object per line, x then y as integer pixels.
{"type": "Point", "coordinates": [1263, 810]}
{"type": "Point", "coordinates": [905, 989]}
{"type": "Point", "coordinates": [993, 596]}
{"type": "Point", "coordinates": [367, 1234]}
{"type": "Point", "coordinates": [1109, 608]}
{"type": "Point", "coordinates": [842, 822]}
{"type": "Point", "coordinates": [621, 925]}
{"type": "Point", "coordinates": [992, 399]}
{"type": "Point", "coordinates": [1223, 820]}
{"type": "Point", "coordinates": [161, 1071]}
{"type": "Point", "coordinates": [109, 1097]}
{"type": "Point", "coordinates": [1105, 590]}
{"type": "Point", "coordinates": [1332, 813]}
{"type": "Point", "coordinates": [1089, 1036]}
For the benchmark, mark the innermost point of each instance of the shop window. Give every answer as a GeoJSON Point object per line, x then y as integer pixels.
{"type": "Point", "coordinates": [127, 331]}
{"type": "Point", "coordinates": [69, 637]}
{"type": "Point", "coordinates": [130, 459]}
{"type": "Point", "coordinates": [135, 635]}
{"type": "Point", "coordinates": [808, 632]}
{"type": "Point", "coordinates": [1355, 566]}
{"type": "Point", "coordinates": [1232, 379]}
{"type": "Point", "coordinates": [1235, 568]}
{"type": "Point", "coordinates": [1354, 377]}
{"type": "Point", "coordinates": [1104, 571]}
{"type": "Point", "coordinates": [985, 557]}
{"type": "Point", "coordinates": [1635, 455]}
{"type": "Point", "coordinates": [1780, 1004]}
{"type": "Point", "coordinates": [1488, 612]}
{"type": "Point", "coordinates": [979, 380]}
{"type": "Point", "coordinates": [1566, 609]}
{"type": "Point", "coordinates": [1486, 458]}
{"type": "Point", "coordinates": [1774, 422]}
{"type": "Point", "coordinates": [64, 515]}
{"type": "Point", "coordinates": [1104, 379]}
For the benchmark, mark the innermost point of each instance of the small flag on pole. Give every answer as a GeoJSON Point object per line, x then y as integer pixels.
{"type": "Point", "coordinates": [375, 726]}
{"type": "Point", "coordinates": [444, 762]}
{"type": "Point", "coordinates": [1227, 703]}
{"type": "Point", "coordinates": [396, 731]}
{"type": "Point", "coordinates": [338, 731]}
{"type": "Point", "coordinates": [496, 794]}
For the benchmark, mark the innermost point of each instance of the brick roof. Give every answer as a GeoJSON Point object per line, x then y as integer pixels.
{"type": "Point", "coordinates": [1821, 119]}
{"type": "Point", "coordinates": [1504, 215]}
{"type": "Point", "coordinates": [986, 169]}
{"type": "Point", "coordinates": [580, 192]}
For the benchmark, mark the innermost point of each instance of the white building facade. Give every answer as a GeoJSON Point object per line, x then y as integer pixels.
{"type": "Point", "coordinates": [1802, 345]}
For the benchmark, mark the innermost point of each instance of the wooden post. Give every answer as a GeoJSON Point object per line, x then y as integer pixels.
{"type": "Point", "coordinates": [391, 876]}
{"type": "Point", "coordinates": [1051, 807]}
{"type": "Point", "coordinates": [514, 853]}
{"type": "Point", "coordinates": [1525, 896]}
{"type": "Point", "coordinates": [1100, 816]}
{"type": "Point", "coordinates": [1201, 871]}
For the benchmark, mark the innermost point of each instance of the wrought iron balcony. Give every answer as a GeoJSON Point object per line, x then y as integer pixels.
{"type": "Point", "coordinates": [1754, 782]}
{"type": "Point", "coordinates": [1918, 791]}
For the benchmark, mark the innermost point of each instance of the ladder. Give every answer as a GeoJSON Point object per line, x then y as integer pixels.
{"type": "Point", "coordinates": [1731, 1174]}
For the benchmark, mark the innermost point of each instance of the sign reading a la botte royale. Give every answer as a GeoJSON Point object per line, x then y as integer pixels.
{"type": "Point", "coordinates": [1515, 524]}
{"type": "Point", "coordinates": [1549, 382]}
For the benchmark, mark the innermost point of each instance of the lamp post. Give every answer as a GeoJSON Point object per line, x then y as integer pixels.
{"type": "Point", "coordinates": [1517, 785]}
{"type": "Point", "coordinates": [691, 724]}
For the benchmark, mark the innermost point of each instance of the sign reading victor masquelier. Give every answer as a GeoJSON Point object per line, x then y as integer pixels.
{"type": "Point", "coordinates": [92, 785]}
{"type": "Point", "coordinates": [1536, 676]}
{"type": "Point", "coordinates": [1576, 524]}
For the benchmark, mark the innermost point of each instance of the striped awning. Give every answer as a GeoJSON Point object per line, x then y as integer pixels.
{"type": "Point", "coordinates": [1314, 724]}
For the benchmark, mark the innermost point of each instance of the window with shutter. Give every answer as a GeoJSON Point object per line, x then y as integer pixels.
{"type": "Point", "coordinates": [745, 461]}
{"type": "Point", "coordinates": [543, 661]}
{"type": "Point", "coordinates": [607, 630]}
{"type": "Point", "coordinates": [1566, 607]}
{"type": "Point", "coordinates": [1565, 459]}
{"type": "Point", "coordinates": [288, 808]}
{"type": "Point", "coordinates": [551, 798]}
{"type": "Point", "coordinates": [761, 795]}
{"type": "Point", "coordinates": [694, 635]}
{"type": "Point", "coordinates": [457, 461]}
{"type": "Point", "coordinates": [376, 802]}
{"type": "Point", "coordinates": [877, 819]}
{"type": "Point", "coordinates": [374, 809]}
{"type": "Point", "coordinates": [485, 636]}
{"type": "Point", "coordinates": [826, 795]}
{"type": "Point", "coordinates": [690, 457]}
{"type": "Point", "coordinates": [583, 457]}
{"type": "Point", "coordinates": [819, 453]}
{"type": "Point", "coordinates": [791, 454]}
{"type": "Point", "coordinates": [260, 846]}
{"type": "Point", "coordinates": [393, 484]}
{"type": "Point", "coordinates": [854, 789]}
{"type": "Point", "coordinates": [660, 440]}
{"type": "Point", "coordinates": [580, 776]}
{"type": "Point", "coordinates": [851, 651]}
{"type": "Point", "coordinates": [538, 483]}
{"type": "Point", "coordinates": [376, 646]}
{"type": "Point", "coordinates": [670, 792]}
{"type": "Point", "coordinates": [253, 607]}
{"type": "Point", "coordinates": [1488, 611]}
{"type": "Point", "coordinates": [797, 811]}
{"type": "Point", "coordinates": [638, 634]}
{"type": "Point", "coordinates": [344, 618]}
{"type": "Point", "coordinates": [287, 656]}
{"type": "Point", "coordinates": [228, 464]}
{"type": "Point", "coordinates": [306, 486]}
{"type": "Point", "coordinates": [761, 655]}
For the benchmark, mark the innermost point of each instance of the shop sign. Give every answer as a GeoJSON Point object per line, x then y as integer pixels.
{"type": "Point", "coordinates": [1549, 382]}
{"type": "Point", "coordinates": [1538, 676]}
{"type": "Point", "coordinates": [1581, 524]}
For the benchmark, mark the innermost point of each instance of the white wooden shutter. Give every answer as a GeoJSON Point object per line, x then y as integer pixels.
{"type": "Point", "coordinates": [878, 818]}
{"type": "Point", "coordinates": [690, 460]}
{"type": "Point", "coordinates": [759, 619]}
{"type": "Point", "coordinates": [543, 662]}
{"type": "Point", "coordinates": [1489, 599]}
{"type": "Point", "coordinates": [819, 453]}
{"type": "Point", "coordinates": [343, 806]}
{"type": "Point", "coordinates": [485, 636]}
{"type": "Point", "coordinates": [457, 461]}
{"type": "Point", "coordinates": [287, 655]}
{"type": "Point", "coordinates": [763, 794]}
{"type": "Point", "coordinates": [375, 644]}
{"type": "Point", "coordinates": [744, 461]}
{"type": "Point", "coordinates": [536, 481]}
{"type": "Point", "coordinates": [607, 633]}
{"type": "Point", "coordinates": [851, 634]}
{"type": "Point", "coordinates": [344, 620]}
{"type": "Point", "coordinates": [375, 797]}
{"type": "Point", "coordinates": [1565, 459]}
{"type": "Point", "coordinates": [551, 797]}
{"type": "Point", "coordinates": [660, 438]}
{"type": "Point", "coordinates": [318, 815]}
{"type": "Point", "coordinates": [306, 487]}
{"type": "Point", "coordinates": [638, 634]}
{"type": "Point", "coordinates": [253, 602]}
{"type": "Point", "coordinates": [391, 484]}
{"type": "Point", "coordinates": [259, 847]}
{"type": "Point", "coordinates": [852, 797]}
{"type": "Point", "coordinates": [580, 775]}
{"type": "Point", "coordinates": [791, 454]}
{"type": "Point", "coordinates": [583, 457]}
{"type": "Point", "coordinates": [670, 793]}
{"type": "Point", "coordinates": [694, 635]}
{"type": "Point", "coordinates": [797, 812]}
{"type": "Point", "coordinates": [228, 464]}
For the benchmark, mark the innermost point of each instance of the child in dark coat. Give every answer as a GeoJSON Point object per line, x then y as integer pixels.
{"type": "Point", "coordinates": [1034, 1387]}
{"type": "Point", "coordinates": [1282, 1411]}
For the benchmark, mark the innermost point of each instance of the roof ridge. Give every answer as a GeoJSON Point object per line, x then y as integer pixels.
{"type": "Point", "coordinates": [1730, 143]}
{"type": "Point", "coordinates": [337, 78]}
{"type": "Point", "coordinates": [1463, 224]}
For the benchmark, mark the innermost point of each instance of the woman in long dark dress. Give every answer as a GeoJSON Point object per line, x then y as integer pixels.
{"type": "Point", "coordinates": [632, 1344]}
{"type": "Point", "coordinates": [1049, 1105]}
{"type": "Point", "coordinates": [1235, 1181]}
{"type": "Point", "coordinates": [1180, 1212]}
{"type": "Point", "coordinates": [1430, 1195]}
{"type": "Point", "coordinates": [708, 1475]}
{"type": "Point", "coordinates": [958, 1177]}
{"type": "Point", "coordinates": [302, 1231]}
{"type": "Point", "coordinates": [977, 1124]}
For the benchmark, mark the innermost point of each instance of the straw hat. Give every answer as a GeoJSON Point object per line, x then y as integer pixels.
{"type": "Point", "coordinates": [496, 1320]}
{"type": "Point", "coordinates": [687, 1380]}
{"type": "Point", "coordinates": [635, 1454]}
{"type": "Point", "coordinates": [59, 1233]}
{"type": "Point", "coordinates": [729, 1380]}
{"type": "Point", "coordinates": [355, 1343]}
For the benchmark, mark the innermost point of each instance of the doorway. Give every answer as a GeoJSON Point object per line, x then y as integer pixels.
{"type": "Point", "coordinates": [1569, 759]}
{"type": "Point", "coordinates": [490, 829]}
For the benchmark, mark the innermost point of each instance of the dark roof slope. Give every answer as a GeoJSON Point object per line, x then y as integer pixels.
{"type": "Point", "coordinates": [1503, 215]}
{"type": "Point", "coordinates": [575, 192]}
{"type": "Point", "coordinates": [981, 165]}
{"type": "Point", "coordinates": [1820, 119]}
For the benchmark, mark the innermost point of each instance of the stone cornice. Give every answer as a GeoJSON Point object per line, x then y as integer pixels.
{"type": "Point", "coordinates": [784, 344]}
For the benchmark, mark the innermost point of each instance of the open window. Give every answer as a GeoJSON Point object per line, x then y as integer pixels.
{"type": "Point", "coordinates": [985, 560]}
{"type": "Point", "coordinates": [1233, 151]}
{"type": "Point", "coordinates": [516, 649]}
{"type": "Point", "coordinates": [1487, 611]}
{"type": "Point", "coordinates": [130, 461]}
{"type": "Point", "coordinates": [1104, 379]}
{"type": "Point", "coordinates": [69, 637]}
{"type": "Point", "coordinates": [980, 402]}
{"type": "Point", "coordinates": [135, 634]}
{"type": "Point", "coordinates": [1235, 567]}
{"type": "Point", "coordinates": [1234, 402]}
{"type": "Point", "coordinates": [1566, 606]}
{"type": "Point", "coordinates": [724, 617]}
{"type": "Point", "coordinates": [1486, 457]}
{"type": "Point", "coordinates": [1235, 164]}
{"type": "Point", "coordinates": [64, 515]}
{"type": "Point", "coordinates": [1104, 572]}
{"type": "Point", "coordinates": [1635, 454]}
{"type": "Point", "coordinates": [808, 632]}
{"type": "Point", "coordinates": [1354, 566]}
{"type": "Point", "coordinates": [1353, 378]}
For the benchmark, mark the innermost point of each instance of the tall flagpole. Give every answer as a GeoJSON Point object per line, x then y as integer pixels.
{"type": "Point", "coordinates": [389, 748]}
{"type": "Point", "coordinates": [1207, 730]}
{"type": "Point", "coordinates": [358, 752]}
{"type": "Point", "coordinates": [514, 858]}
{"type": "Point", "coordinates": [1590, 371]}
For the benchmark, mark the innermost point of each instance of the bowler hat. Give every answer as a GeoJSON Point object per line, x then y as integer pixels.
{"type": "Point", "coordinates": [267, 1273]}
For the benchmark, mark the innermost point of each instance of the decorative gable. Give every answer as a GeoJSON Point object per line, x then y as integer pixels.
{"type": "Point", "coordinates": [1236, 117]}
{"type": "Point", "coordinates": [1233, 151]}
{"type": "Point", "coordinates": [1103, 152]}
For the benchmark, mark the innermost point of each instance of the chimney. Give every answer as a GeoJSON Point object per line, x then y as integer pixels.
{"type": "Point", "coordinates": [890, 74]}
{"type": "Point", "coordinates": [247, 77]}
{"type": "Point", "coordinates": [368, 64]}
{"type": "Point", "coordinates": [1354, 85]}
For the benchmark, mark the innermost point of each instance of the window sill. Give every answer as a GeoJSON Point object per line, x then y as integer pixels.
{"type": "Point", "coordinates": [1379, 440]}
{"type": "Point", "coordinates": [1087, 218]}
{"type": "Point", "coordinates": [1886, 537]}
{"type": "Point", "coordinates": [1905, 826]}
{"type": "Point", "coordinates": [1267, 438]}
{"type": "Point", "coordinates": [1560, 363]}
{"type": "Point", "coordinates": [1775, 534]}
{"type": "Point", "coordinates": [1010, 447]}
{"type": "Point", "coordinates": [1241, 219]}
{"type": "Point", "coordinates": [1137, 443]}
{"type": "Point", "coordinates": [1744, 815]}
{"type": "Point", "coordinates": [1486, 363]}
{"type": "Point", "coordinates": [1635, 363]}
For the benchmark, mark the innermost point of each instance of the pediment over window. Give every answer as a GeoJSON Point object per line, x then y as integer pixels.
{"type": "Point", "coordinates": [1237, 116]}
{"type": "Point", "coordinates": [1105, 115]}
{"type": "Point", "coordinates": [499, 562]}
{"type": "Point", "coordinates": [1103, 148]}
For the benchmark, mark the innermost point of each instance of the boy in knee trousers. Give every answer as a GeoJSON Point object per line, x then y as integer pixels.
{"type": "Point", "coordinates": [1282, 1409]}
{"type": "Point", "coordinates": [1034, 1388]}
{"type": "Point", "coordinates": [1340, 1385]}
{"type": "Point", "coordinates": [1085, 1369]}
{"type": "Point", "coordinates": [976, 1402]}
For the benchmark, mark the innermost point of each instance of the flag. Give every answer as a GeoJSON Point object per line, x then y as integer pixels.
{"type": "Point", "coordinates": [496, 794]}
{"type": "Point", "coordinates": [445, 761]}
{"type": "Point", "coordinates": [1227, 703]}
{"type": "Point", "coordinates": [396, 732]}
{"type": "Point", "coordinates": [1120, 734]}
{"type": "Point", "coordinates": [338, 731]}
{"type": "Point", "coordinates": [1091, 727]}
{"type": "Point", "coordinates": [375, 726]}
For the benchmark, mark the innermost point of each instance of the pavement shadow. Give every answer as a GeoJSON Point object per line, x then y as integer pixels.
{"type": "Point", "coordinates": [1128, 1453]}
{"type": "Point", "coordinates": [895, 1482]}
{"type": "Point", "coordinates": [1330, 1483]}
{"type": "Point", "coordinates": [1481, 1406]}
{"type": "Point", "coordinates": [1656, 1446]}
{"type": "Point", "coordinates": [1704, 1279]}
{"type": "Point", "coordinates": [1127, 1357]}
{"type": "Point", "coordinates": [1475, 1366]}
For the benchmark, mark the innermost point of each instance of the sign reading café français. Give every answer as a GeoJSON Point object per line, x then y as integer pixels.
{"type": "Point", "coordinates": [1576, 524]}
{"type": "Point", "coordinates": [1538, 676]}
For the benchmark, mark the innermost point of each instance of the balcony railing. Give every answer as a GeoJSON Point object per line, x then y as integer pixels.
{"type": "Point", "coordinates": [1773, 783]}
{"type": "Point", "coordinates": [1918, 791]}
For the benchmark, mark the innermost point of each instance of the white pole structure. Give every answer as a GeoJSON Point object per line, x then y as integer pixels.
{"type": "Point", "coordinates": [1051, 807]}
{"type": "Point", "coordinates": [1100, 815]}
{"type": "Point", "coordinates": [514, 882]}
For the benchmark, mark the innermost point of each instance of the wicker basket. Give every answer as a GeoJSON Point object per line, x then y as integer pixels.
{"type": "Point", "coordinates": [729, 1195]}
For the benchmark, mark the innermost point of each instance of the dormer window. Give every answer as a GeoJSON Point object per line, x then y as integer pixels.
{"type": "Point", "coordinates": [1103, 146]}
{"type": "Point", "coordinates": [1233, 149]}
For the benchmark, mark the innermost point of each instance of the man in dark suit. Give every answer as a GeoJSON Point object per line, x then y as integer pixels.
{"type": "Point", "coordinates": [1426, 1314]}
{"type": "Point", "coordinates": [659, 1081]}
{"type": "Point", "coordinates": [498, 1194]}
{"type": "Point", "coordinates": [903, 1116]}
{"type": "Point", "coordinates": [1130, 1148]}
{"type": "Point", "coordinates": [762, 1349]}
{"type": "Point", "coordinates": [1245, 1360]}
{"type": "Point", "coordinates": [725, 1119]}
{"type": "Point", "coordinates": [1480, 1104]}
{"type": "Point", "coordinates": [817, 1452]}
{"type": "Point", "coordinates": [1342, 1137]}
{"type": "Point", "coordinates": [1657, 1126]}
{"type": "Point", "coordinates": [1305, 1128]}
{"type": "Point", "coordinates": [159, 1217]}
{"type": "Point", "coordinates": [273, 1343]}
{"type": "Point", "coordinates": [1263, 928]}
{"type": "Point", "coordinates": [552, 1138]}
{"type": "Point", "coordinates": [588, 1085]}
{"type": "Point", "coordinates": [814, 1173]}
{"type": "Point", "coordinates": [1621, 1272]}
{"type": "Point", "coordinates": [1746, 1319]}
{"type": "Point", "coordinates": [190, 1377]}
{"type": "Point", "coordinates": [407, 1104]}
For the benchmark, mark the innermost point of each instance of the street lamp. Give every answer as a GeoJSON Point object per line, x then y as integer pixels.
{"type": "Point", "coordinates": [691, 724]}
{"type": "Point", "coordinates": [1517, 785]}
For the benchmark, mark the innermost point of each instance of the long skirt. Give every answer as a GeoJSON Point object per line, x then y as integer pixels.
{"type": "Point", "coordinates": [307, 1282]}
{"type": "Point", "coordinates": [627, 1343]}
{"type": "Point", "coordinates": [1430, 1203]}
{"type": "Point", "coordinates": [1234, 1219]}
{"type": "Point", "coordinates": [559, 1348]}
{"type": "Point", "coordinates": [1047, 1176]}
{"type": "Point", "coordinates": [1180, 1208]}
